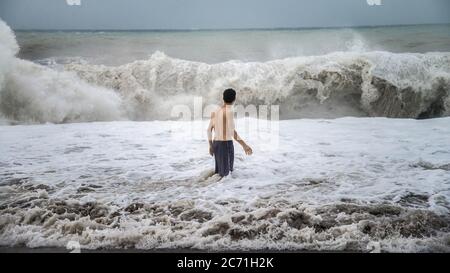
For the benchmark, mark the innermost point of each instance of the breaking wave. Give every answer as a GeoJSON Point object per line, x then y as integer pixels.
{"type": "Point", "coordinates": [339, 84]}
{"type": "Point", "coordinates": [34, 93]}
{"type": "Point", "coordinates": [380, 84]}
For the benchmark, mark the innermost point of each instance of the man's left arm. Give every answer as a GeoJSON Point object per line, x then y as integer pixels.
{"type": "Point", "coordinates": [247, 149]}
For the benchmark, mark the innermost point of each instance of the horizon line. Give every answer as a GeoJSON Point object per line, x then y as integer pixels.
{"type": "Point", "coordinates": [222, 29]}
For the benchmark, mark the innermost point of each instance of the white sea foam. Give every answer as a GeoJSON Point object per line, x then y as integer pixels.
{"type": "Point", "coordinates": [361, 184]}
{"type": "Point", "coordinates": [33, 93]}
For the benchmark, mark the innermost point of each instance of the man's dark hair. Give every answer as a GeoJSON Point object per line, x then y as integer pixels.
{"type": "Point", "coordinates": [229, 96]}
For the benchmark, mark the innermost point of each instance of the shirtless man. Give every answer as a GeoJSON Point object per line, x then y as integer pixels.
{"type": "Point", "coordinates": [222, 123]}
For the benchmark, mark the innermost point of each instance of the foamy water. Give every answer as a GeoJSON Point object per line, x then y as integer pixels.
{"type": "Point", "coordinates": [348, 184]}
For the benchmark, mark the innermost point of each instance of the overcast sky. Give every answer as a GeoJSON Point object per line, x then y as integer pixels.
{"type": "Point", "coordinates": [218, 14]}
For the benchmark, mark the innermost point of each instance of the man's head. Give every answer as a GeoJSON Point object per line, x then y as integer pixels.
{"type": "Point", "coordinates": [229, 96]}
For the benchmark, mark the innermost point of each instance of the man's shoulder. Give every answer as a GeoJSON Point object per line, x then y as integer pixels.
{"type": "Point", "coordinates": [215, 112]}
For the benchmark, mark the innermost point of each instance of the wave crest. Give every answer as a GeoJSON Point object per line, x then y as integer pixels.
{"type": "Point", "coordinates": [339, 84]}
{"type": "Point", "coordinates": [380, 84]}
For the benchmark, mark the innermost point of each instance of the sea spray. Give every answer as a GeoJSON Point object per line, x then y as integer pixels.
{"type": "Point", "coordinates": [8, 48]}
{"type": "Point", "coordinates": [33, 93]}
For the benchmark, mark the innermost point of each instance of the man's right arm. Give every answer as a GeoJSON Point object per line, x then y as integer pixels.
{"type": "Point", "coordinates": [210, 138]}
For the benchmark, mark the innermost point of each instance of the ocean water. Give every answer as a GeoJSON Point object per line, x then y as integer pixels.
{"type": "Point", "coordinates": [122, 47]}
{"type": "Point", "coordinates": [362, 162]}
{"type": "Point", "coordinates": [60, 77]}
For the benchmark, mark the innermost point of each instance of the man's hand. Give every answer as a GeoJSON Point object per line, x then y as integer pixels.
{"type": "Point", "coordinates": [211, 150]}
{"type": "Point", "coordinates": [247, 149]}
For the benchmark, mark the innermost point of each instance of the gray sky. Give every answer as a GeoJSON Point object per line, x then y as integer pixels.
{"type": "Point", "coordinates": [218, 14]}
